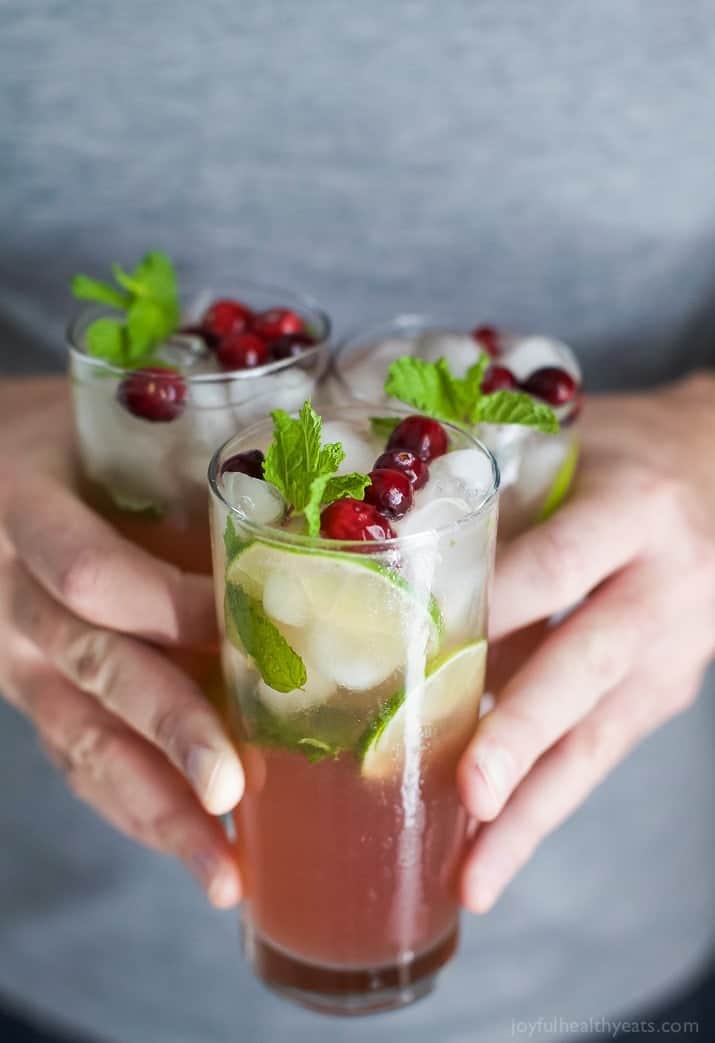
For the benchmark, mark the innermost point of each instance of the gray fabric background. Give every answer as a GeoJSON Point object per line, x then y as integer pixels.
{"type": "Point", "coordinates": [548, 166]}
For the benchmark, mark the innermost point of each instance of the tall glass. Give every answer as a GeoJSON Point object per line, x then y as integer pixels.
{"type": "Point", "coordinates": [350, 830]}
{"type": "Point", "coordinates": [149, 479]}
{"type": "Point", "coordinates": [536, 469]}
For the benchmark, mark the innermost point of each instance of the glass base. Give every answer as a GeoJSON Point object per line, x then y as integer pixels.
{"type": "Point", "coordinates": [345, 991]}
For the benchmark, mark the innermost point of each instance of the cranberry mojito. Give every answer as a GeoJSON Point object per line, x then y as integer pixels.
{"type": "Point", "coordinates": [537, 456]}
{"type": "Point", "coordinates": [352, 557]}
{"type": "Point", "coordinates": [159, 381]}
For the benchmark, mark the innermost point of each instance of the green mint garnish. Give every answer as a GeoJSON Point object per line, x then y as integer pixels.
{"type": "Point", "coordinates": [303, 470]}
{"type": "Point", "coordinates": [149, 298]}
{"type": "Point", "coordinates": [432, 388]}
{"type": "Point", "coordinates": [249, 627]}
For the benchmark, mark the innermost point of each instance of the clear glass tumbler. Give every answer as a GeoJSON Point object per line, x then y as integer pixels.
{"type": "Point", "coordinates": [536, 469]}
{"type": "Point", "coordinates": [148, 479]}
{"type": "Point", "coordinates": [350, 830]}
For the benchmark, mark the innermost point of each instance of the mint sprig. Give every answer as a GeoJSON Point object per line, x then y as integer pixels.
{"type": "Point", "coordinates": [149, 298]}
{"type": "Point", "coordinates": [250, 629]}
{"type": "Point", "coordinates": [432, 388]}
{"type": "Point", "coordinates": [303, 470]}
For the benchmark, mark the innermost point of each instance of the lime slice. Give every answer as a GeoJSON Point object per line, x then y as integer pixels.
{"type": "Point", "coordinates": [445, 704]}
{"type": "Point", "coordinates": [348, 590]}
{"type": "Point", "coordinates": [560, 485]}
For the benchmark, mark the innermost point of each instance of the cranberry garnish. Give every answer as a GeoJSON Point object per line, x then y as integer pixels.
{"type": "Point", "coordinates": [289, 345]}
{"type": "Point", "coordinates": [410, 465]}
{"type": "Point", "coordinates": [250, 463]}
{"type": "Point", "coordinates": [351, 519]}
{"type": "Point", "coordinates": [390, 491]}
{"type": "Point", "coordinates": [499, 378]}
{"type": "Point", "coordinates": [224, 316]}
{"type": "Point", "coordinates": [242, 351]}
{"type": "Point", "coordinates": [422, 435]}
{"type": "Point", "coordinates": [153, 393]}
{"type": "Point", "coordinates": [552, 384]}
{"type": "Point", "coordinates": [488, 338]}
{"type": "Point", "coordinates": [275, 323]}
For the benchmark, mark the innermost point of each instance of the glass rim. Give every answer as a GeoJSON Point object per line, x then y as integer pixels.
{"type": "Point", "coordinates": [282, 537]}
{"type": "Point", "coordinates": [81, 316]}
{"type": "Point", "coordinates": [404, 323]}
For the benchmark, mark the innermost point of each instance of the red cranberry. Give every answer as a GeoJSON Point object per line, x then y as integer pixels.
{"type": "Point", "coordinates": [410, 465]}
{"type": "Point", "coordinates": [250, 462]}
{"type": "Point", "coordinates": [389, 491]}
{"type": "Point", "coordinates": [224, 316]}
{"type": "Point", "coordinates": [289, 345]}
{"type": "Point", "coordinates": [488, 338]}
{"type": "Point", "coordinates": [153, 393]}
{"type": "Point", "coordinates": [422, 435]}
{"type": "Point", "coordinates": [552, 384]}
{"type": "Point", "coordinates": [351, 519]}
{"type": "Point", "coordinates": [499, 378]}
{"type": "Point", "coordinates": [242, 351]}
{"type": "Point", "coordinates": [275, 323]}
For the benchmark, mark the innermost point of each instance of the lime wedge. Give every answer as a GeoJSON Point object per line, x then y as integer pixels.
{"type": "Point", "coordinates": [445, 704]}
{"type": "Point", "coordinates": [560, 485]}
{"type": "Point", "coordinates": [350, 591]}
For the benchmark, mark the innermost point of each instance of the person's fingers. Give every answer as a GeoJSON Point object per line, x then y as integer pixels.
{"type": "Point", "coordinates": [554, 565]}
{"type": "Point", "coordinates": [102, 577]}
{"type": "Point", "coordinates": [591, 652]}
{"type": "Point", "coordinates": [136, 683]}
{"type": "Point", "coordinates": [563, 778]}
{"type": "Point", "coordinates": [129, 783]}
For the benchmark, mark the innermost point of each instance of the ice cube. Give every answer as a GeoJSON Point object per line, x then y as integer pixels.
{"type": "Point", "coordinates": [431, 515]}
{"type": "Point", "coordinates": [360, 451]}
{"type": "Point", "coordinates": [285, 599]}
{"type": "Point", "coordinates": [209, 422]}
{"type": "Point", "coordinates": [258, 500]}
{"type": "Point", "coordinates": [459, 350]}
{"type": "Point", "coordinates": [471, 468]}
{"type": "Point", "coordinates": [128, 456]}
{"type": "Point", "coordinates": [526, 354]}
{"type": "Point", "coordinates": [317, 690]}
{"type": "Point", "coordinates": [506, 442]}
{"type": "Point", "coordinates": [352, 658]}
{"type": "Point", "coordinates": [365, 369]}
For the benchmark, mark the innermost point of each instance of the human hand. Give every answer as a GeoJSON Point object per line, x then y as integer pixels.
{"type": "Point", "coordinates": [82, 612]}
{"type": "Point", "coordinates": [636, 541]}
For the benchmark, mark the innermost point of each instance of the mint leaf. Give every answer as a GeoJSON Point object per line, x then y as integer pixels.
{"type": "Point", "coordinates": [515, 407]}
{"type": "Point", "coordinates": [148, 295]}
{"type": "Point", "coordinates": [429, 387]}
{"type": "Point", "coordinates": [232, 542]}
{"type": "Point", "coordinates": [303, 470]}
{"type": "Point", "coordinates": [470, 388]}
{"type": "Point", "coordinates": [105, 340]}
{"type": "Point", "coordinates": [279, 666]}
{"type": "Point", "coordinates": [432, 388]}
{"type": "Point", "coordinates": [383, 426]}
{"type": "Point", "coordinates": [86, 289]}
{"type": "Point", "coordinates": [293, 459]}
{"type": "Point", "coordinates": [342, 485]}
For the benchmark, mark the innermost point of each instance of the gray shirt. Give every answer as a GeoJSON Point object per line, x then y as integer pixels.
{"type": "Point", "coordinates": [548, 167]}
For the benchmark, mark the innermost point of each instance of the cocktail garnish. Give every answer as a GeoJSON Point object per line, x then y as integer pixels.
{"type": "Point", "coordinates": [149, 298]}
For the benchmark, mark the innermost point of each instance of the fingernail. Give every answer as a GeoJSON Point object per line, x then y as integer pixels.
{"type": "Point", "coordinates": [224, 890]}
{"type": "Point", "coordinates": [217, 778]}
{"type": "Point", "coordinates": [496, 766]}
{"type": "Point", "coordinates": [219, 882]}
{"type": "Point", "coordinates": [482, 892]}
